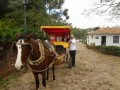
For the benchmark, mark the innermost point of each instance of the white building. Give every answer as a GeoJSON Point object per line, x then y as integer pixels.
{"type": "Point", "coordinates": [104, 36]}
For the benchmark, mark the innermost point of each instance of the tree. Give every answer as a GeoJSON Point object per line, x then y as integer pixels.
{"type": "Point", "coordinates": [3, 7]}
{"type": "Point", "coordinates": [12, 16]}
{"type": "Point", "coordinates": [53, 4]}
{"type": "Point", "coordinates": [110, 7]}
{"type": "Point", "coordinates": [79, 33]}
{"type": "Point", "coordinates": [96, 28]}
{"type": "Point", "coordinates": [54, 8]}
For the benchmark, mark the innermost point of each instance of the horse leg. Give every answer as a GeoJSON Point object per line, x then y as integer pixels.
{"type": "Point", "coordinates": [36, 80]}
{"type": "Point", "coordinates": [47, 74]}
{"type": "Point", "coordinates": [53, 68]}
{"type": "Point", "coordinates": [44, 79]}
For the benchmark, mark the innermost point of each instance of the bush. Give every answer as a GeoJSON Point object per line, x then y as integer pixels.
{"type": "Point", "coordinates": [111, 50]}
{"type": "Point", "coordinates": [7, 30]}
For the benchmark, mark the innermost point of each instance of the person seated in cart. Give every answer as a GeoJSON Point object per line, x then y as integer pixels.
{"type": "Point", "coordinates": [65, 38]}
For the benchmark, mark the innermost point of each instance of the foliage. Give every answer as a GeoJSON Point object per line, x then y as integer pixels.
{"type": "Point", "coordinates": [96, 28]}
{"type": "Point", "coordinates": [2, 82]}
{"type": "Point", "coordinates": [11, 78]}
{"type": "Point", "coordinates": [112, 7]}
{"type": "Point", "coordinates": [55, 10]}
{"type": "Point", "coordinates": [3, 7]}
{"type": "Point", "coordinates": [12, 17]}
{"type": "Point", "coordinates": [111, 50]}
{"type": "Point", "coordinates": [79, 33]}
{"type": "Point", "coordinates": [6, 30]}
{"type": "Point", "coordinates": [109, 8]}
{"type": "Point", "coordinates": [36, 16]}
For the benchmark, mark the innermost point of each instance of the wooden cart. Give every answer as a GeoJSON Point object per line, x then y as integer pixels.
{"type": "Point", "coordinates": [56, 33]}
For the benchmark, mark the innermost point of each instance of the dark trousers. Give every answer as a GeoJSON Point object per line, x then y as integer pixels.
{"type": "Point", "coordinates": [72, 55]}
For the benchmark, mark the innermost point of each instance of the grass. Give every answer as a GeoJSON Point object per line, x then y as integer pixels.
{"type": "Point", "coordinates": [7, 80]}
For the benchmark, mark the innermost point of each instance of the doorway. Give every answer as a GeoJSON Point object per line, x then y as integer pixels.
{"type": "Point", "coordinates": [103, 40]}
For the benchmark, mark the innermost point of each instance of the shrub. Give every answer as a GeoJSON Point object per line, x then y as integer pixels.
{"type": "Point", "coordinates": [111, 50]}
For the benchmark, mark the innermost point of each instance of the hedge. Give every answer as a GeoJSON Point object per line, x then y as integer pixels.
{"type": "Point", "coordinates": [110, 50]}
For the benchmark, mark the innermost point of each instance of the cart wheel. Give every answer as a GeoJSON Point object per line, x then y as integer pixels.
{"type": "Point", "coordinates": [70, 62]}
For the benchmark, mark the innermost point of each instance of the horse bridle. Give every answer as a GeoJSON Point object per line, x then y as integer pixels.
{"type": "Point", "coordinates": [36, 61]}
{"type": "Point", "coordinates": [23, 45]}
{"type": "Point", "coordinates": [41, 49]}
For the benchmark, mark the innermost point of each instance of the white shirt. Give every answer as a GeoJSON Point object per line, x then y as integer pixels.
{"type": "Point", "coordinates": [72, 44]}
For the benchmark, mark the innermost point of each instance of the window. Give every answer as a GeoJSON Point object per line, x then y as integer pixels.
{"type": "Point", "coordinates": [115, 39]}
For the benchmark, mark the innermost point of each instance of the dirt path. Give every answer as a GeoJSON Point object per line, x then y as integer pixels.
{"type": "Point", "coordinates": [93, 71]}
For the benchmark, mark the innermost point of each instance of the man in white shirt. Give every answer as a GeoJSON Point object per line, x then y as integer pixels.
{"type": "Point", "coordinates": [73, 49]}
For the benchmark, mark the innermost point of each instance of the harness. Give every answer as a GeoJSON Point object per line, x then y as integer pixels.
{"type": "Point", "coordinates": [41, 58]}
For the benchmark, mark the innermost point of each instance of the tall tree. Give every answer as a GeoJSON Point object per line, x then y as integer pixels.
{"type": "Point", "coordinates": [53, 4]}
{"type": "Point", "coordinates": [3, 7]}
{"type": "Point", "coordinates": [54, 8]}
{"type": "Point", "coordinates": [109, 8]}
{"type": "Point", "coordinates": [12, 14]}
{"type": "Point", "coordinates": [35, 14]}
{"type": "Point", "coordinates": [112, 6]}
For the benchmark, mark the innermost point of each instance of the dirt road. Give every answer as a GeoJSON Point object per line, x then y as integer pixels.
{"type": "Point", "coordinates": [93, 71]}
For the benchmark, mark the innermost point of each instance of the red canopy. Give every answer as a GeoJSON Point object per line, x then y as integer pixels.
{"type": "Point", "coordinates": [56, 30]}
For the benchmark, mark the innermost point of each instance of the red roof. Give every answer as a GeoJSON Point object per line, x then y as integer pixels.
{"type": "Point", "coordinates": [56, 30]}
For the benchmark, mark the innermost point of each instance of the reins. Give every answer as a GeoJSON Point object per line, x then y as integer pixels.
{"type": "Point", "coordinates": [45, 68]}
{"type": "Point", "coordinates": [40, 59]}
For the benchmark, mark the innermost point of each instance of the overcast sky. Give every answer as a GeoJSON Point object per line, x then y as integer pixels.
{"type": "Point", "coordinates": [78, 19]}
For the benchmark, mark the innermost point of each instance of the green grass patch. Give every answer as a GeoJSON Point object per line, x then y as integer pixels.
{"type": "Point", "coordinates": [7, 80]}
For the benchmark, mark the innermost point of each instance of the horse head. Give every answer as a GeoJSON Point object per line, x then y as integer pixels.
{"type": "Point", "coordinates": [23, 49]}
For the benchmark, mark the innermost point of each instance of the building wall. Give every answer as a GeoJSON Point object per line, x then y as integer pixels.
{"type": "Point", "coordinates": [109, 40]}
{"type": "Point", "coordinates": [93, 40]}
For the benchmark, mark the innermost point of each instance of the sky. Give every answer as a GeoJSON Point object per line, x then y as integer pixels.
{"type": "Point", "coordinates": [80, 20]}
